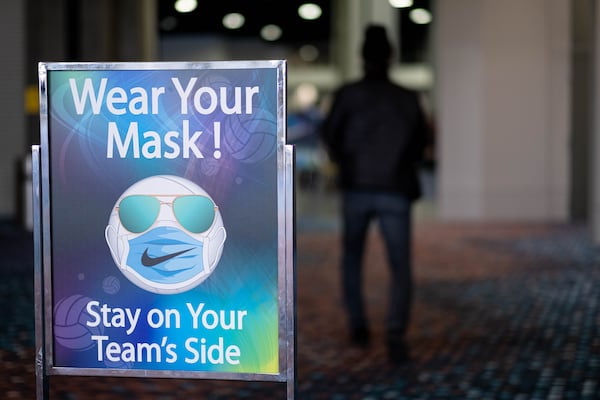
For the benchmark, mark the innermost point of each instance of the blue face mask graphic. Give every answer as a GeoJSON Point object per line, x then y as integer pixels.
{"type": "Point", "coordinates": [166, 255]}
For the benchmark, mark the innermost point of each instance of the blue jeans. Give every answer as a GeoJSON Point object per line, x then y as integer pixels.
{"type": "Point", "coordinates": [393, 212]}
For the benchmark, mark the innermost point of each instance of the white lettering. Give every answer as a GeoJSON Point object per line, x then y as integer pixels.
{"type": "Point", "coordinates": [216, 353]}
{"type": "Point", "coordinates": [184, 94]}
{"type": "Point", "coordinates": [116, 96]}
{"type": "Point", "coordinates": [206, 100]}
{"type": "Point", "coordinates": [153, 145]}
{"type": "Point", "coordinates": [117, 100]}
{"type": "Point", "coordinates": [212, 98]}
{"type": "Point", "coordinates": [250, 92]}
{"type": "Point", "coordinates": [151, 148]}
{"type": "Point", "coordinates": [112, 317]}
{"type": "Point", "coordinates": [190, 143]}
{"type": "Point", "coordinates": [131, 138]}
{"type": "Point", "coordinates": [211, 319]}
{"type": "Point", "coordinates": [88, 91]}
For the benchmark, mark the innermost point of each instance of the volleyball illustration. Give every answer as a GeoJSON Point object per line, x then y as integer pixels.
{"type": "Point", "coordinates": [165, 234]}
{"type": "Point", "coordinates": [250, 138]}
{"type": "Point", "coordinates": [111, 285]}
{"type": "Point", "coordinates": [70, 328]}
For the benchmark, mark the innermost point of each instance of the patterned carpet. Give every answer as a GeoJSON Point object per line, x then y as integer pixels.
{"type": "Point", "coordinates": [501, 311]}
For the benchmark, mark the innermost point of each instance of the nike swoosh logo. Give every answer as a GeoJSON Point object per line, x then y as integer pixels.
{"type": "Point", "coordinates": [148, 261]}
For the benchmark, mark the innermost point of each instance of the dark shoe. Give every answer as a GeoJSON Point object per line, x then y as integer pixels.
{"type": "Point", "coordinates": [360, 337]}
{"type": "Point", "coordinates": [398, 353]}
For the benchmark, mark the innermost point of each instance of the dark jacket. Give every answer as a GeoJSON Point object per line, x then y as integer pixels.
{"type": "Point", "coordinates": [376, 133]}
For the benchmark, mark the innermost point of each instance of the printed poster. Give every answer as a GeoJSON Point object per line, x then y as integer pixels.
{"type": "Point", "coordinates": [164, 218]}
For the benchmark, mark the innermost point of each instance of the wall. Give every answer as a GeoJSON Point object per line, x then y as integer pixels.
{"type": "Point", "coordinates": [12, 119]}
{"type": "Point", "coordinates": [594, 150]}
{"type": "Point", "coordinates": [502, 76]}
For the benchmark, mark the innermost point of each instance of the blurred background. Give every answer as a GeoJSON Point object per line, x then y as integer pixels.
{"type": "Point", "coordinates": [507, 233]}
{"type": "Point", "coordinates": [510, 86]}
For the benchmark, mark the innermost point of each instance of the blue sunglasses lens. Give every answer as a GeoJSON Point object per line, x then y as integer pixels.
{"type": "Point", "coordinates": [138, 212]}
{"type": "Point", "coordinates": [194, 213]}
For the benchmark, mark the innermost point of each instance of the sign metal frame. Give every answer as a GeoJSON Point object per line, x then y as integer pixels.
{"type": "Point", "coordinates": [43, 240]}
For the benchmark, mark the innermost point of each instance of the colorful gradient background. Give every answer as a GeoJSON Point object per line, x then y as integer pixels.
{"type": "Point", "coordinates": [243, 182]}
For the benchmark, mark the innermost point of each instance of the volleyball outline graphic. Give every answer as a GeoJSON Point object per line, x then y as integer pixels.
{"type": "Point", "coordinates": [70, 323]}
{"type": "Point", "coordinates": [210, 242]}
{"type": "Point", "coordinates": [251, 139]}
{"type": "Point", "coordinates": [111, 285]}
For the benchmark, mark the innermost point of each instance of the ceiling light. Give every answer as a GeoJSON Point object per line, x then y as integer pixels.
{"type": "Point", "coordinates": [420, 16]}
{"type": "Point", "coordinates": [186, 6]}
{"type": "Point", "coordinates": [168, 23]}
{"type": "Point", "coordinates": [308, 53]}
{"type": "Point", "coordinates": [401, 3]}
{"type": "Point", "coordinates": [306, 95]}
{"type": "Point", "coordinates": [309, 11]}
{"type": "Point", "coordinates": [233, 21]}
{"type": "Point", "coordinates": [270, 32]}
